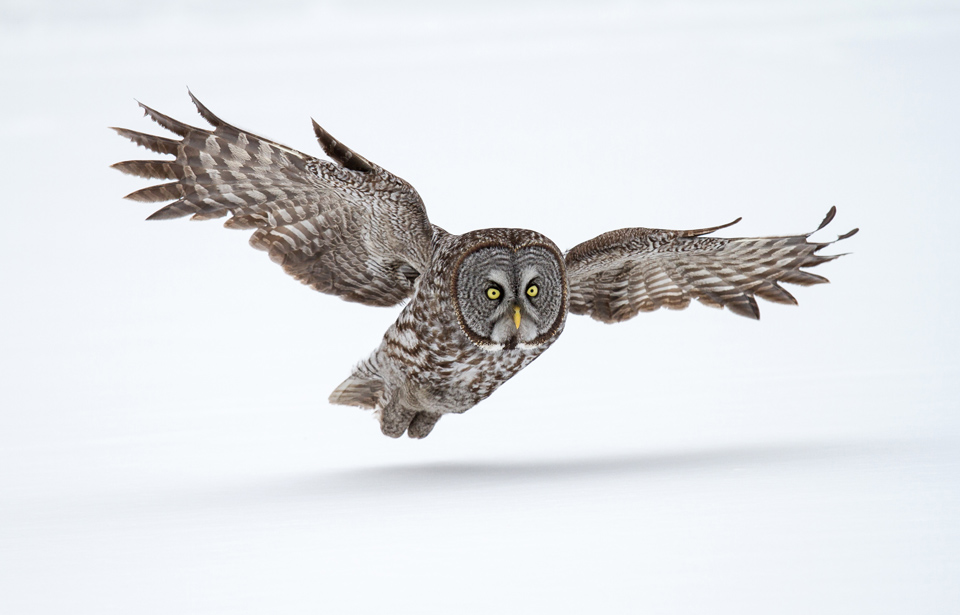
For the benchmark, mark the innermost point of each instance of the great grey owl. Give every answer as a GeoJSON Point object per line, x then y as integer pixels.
{"type": "Point", "coordinates": [482, 305]}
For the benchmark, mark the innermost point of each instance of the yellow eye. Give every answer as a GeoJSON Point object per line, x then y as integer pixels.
{"type": "Point", "coordinates": [532, 290]}
{"type": "Point", "coordinates": [493, 293]}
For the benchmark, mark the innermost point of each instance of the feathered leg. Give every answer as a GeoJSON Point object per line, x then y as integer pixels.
{"type": "Point", "coordinates": [395, 419]}
{"type": "Point", "coordinates": [422, 424]}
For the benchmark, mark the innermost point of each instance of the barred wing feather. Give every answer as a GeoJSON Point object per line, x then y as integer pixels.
{"type": "Point", "coordinates": [347, 228]}
{"type": "Point", "coordinates": [615, 276]}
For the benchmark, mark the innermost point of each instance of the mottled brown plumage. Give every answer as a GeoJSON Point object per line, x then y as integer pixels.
{"type": "Point", "coordinates": [620, 273]}
{"type": "Point", "coordinates": [484, 304]}
{"type": "Point", "coordinates": [355, 231]}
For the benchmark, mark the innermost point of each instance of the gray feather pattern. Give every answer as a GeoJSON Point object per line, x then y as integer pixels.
{"type": "Point", "coordinates": [615, 276]}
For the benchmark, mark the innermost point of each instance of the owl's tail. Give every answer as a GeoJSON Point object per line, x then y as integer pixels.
{"type": "Point", "coordinates": [359, 391]}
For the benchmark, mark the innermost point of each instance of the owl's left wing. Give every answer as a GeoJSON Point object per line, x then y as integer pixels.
{"type": "Point", "coordinates": [615, 276]}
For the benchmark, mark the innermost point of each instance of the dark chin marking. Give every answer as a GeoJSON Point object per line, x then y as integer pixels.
{"type": "Point", "coordinates": [510, 344]}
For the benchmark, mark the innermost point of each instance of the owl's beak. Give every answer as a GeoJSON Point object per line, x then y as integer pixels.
{"type": "Point", "coordinates": [516, 315]}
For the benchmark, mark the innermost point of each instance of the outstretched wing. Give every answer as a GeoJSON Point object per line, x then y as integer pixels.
{"type": "Point", "coordinates": [348, 228]}
{"type": "Point", "coordinates": [621, 273]}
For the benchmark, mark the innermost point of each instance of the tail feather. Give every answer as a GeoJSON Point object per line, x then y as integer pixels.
{"type": "Point", "coordinates": [358, 391]}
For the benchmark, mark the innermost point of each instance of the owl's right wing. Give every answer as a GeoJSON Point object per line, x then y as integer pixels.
{"type": "Point", "coordinates": [615, 276]}
{"type": "Point", "coordinates": [348, 228]}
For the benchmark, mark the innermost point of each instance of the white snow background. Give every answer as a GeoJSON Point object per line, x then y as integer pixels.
{"type": "Point", "coordinates": [165, 441]}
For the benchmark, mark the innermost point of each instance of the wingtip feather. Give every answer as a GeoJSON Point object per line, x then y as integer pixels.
{"type": "Point", "coordinates": [828, 218]}
{"type": "Point", "coordinates": [149, 169]}
{"type": "Point", "coordinates": [160, 145]}
{"type": "Point", "coordinates": [206, 114]}
{"type": "Point", "coordinates": [159, 192]}
{"type": "Point", "coordinates": [746, 307]}
{"type": "Point", "coordinates": [175, 126]}
{"type": "Point", "coordinates": [706, 231]}
{"type": "Point", "coordinates": [177, 209]}
{"type": "Point", "coordinates": [340, 152]}
{"type": "Point", "coordinates": [848, 234]}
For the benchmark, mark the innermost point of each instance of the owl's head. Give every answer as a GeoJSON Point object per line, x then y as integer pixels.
{"type": "Point", "coordinates": [509, 289]}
